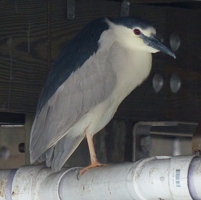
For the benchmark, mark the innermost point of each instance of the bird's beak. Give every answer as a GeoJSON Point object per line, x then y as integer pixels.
{"type": "Point", "coordinates": [155, 43]}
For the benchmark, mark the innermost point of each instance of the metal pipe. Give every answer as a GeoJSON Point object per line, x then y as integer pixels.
{"type": "Point", "coordinates": [175, 178]}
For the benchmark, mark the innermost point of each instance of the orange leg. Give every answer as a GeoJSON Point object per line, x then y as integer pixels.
{"type": "Point", "coordinates": [94, 161]}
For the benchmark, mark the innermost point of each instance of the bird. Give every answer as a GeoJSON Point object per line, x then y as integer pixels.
{"type": "Point", "coordinates": [95, 71]}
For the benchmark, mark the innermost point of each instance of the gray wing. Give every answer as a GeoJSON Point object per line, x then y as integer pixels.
{"type": "Point", "coordinates": [57, 155]}
{"type": "Point", "coordinates": [83, 90]}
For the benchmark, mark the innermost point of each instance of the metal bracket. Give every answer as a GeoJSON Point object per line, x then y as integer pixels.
{"type": "Point", "coordinates": [71, 9]}
{"type": "Point", "coordinates": [12, 140]}
{"type": "Point", "coordinates": [163, 131]}
{"type": "Point", "coordinates": [125, 7]}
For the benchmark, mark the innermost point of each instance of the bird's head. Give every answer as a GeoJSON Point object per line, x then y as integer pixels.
{"type": "Point", "coordinates": [137, 34]}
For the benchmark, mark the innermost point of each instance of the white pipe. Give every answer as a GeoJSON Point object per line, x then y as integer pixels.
{"type": "Point", "coordinates": [167, 178]}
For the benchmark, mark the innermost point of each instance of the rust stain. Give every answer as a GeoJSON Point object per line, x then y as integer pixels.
{"type": "Point", "coordinates": [2, 187]}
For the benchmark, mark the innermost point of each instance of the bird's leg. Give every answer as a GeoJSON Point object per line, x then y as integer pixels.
{"type": "Point", "coordinates": [94, 161]}
{"type": "Point", "coordinates": [91, 148]}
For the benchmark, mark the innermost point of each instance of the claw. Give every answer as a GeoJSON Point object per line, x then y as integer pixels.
{"type": "Point", "coordinates": [93, 165]}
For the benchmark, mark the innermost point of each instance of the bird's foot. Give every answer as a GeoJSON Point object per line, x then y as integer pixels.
{"type": "Point", "coordinates": [93, 165]}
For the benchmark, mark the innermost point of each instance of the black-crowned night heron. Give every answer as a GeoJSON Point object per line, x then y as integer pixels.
{"type": "Point", "coordinates": [97, 69]}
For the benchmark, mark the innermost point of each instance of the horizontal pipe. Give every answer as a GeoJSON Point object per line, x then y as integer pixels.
{"type": "Point", "coordinates": [166, 178]}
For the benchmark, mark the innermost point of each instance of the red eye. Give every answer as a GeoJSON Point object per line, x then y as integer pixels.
{"type": "Point", "coordinates": [137, 31]}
